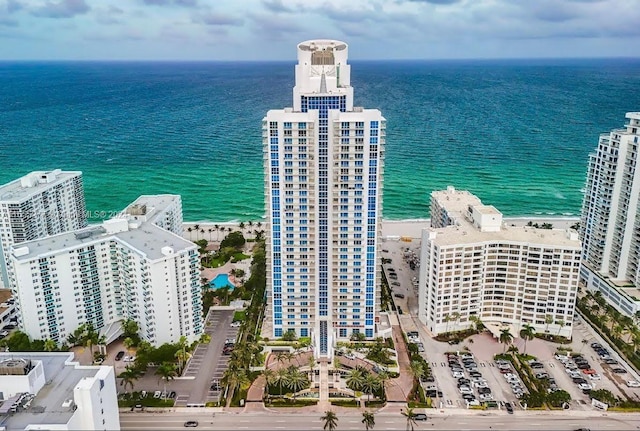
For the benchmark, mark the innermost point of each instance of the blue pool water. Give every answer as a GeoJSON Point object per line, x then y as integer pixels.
{"type": "Point", "coordinates": [220, 281]}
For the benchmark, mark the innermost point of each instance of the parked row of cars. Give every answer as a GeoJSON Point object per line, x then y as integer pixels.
{"type": "Point", "coordinates": [511, 376]}
{"type": "Point", "coordinates": [578, 368]}
{"type": "Point", "coordinates": [606, 358]}
{"type": "Point", "coordinates": [474, 383]}
{"type": "Point", "coordinates": [541, 374]}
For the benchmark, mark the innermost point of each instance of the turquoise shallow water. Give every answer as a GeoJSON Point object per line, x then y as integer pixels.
{"type": "Point", "coordinates": [516, 133]}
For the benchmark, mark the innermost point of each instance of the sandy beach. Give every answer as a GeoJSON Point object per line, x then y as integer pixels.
{"type": "Point", "coordinates": [390, 228]}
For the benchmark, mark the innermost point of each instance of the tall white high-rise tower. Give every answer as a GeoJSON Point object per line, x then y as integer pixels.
{"type": "Point", "coordinates": [324, 162]}
{"type": "Point", "coordinates": [37, 205]}
{"type": "Point", "coordinates": [610, 224]}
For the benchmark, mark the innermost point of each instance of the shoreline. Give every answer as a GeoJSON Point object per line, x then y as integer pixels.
{"type": "Point", "coordinates": [409, 227]}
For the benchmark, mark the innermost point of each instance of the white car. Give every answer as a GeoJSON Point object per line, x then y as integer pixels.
{"type": "Point", "coordinates": [457, 374]}
{"type": "Point", "coordinates": [474, 402]}
{"type": "Point", "coordinates": [595, 376]}
{"type": "Point", "coordinates": [485, 397]}
{"type": "Point", "coordinates": [129, 359]}
{"type": "Point", "coordinates": [509, 376]}
{"type": "Point", "coordinates": [585, 386]}
{"type": "Point", "coordinates": [480, 385]}
{"type": "Point", "coordinates": [236, 324]}
{"type": "Point", "coordinates": [633, 384]}
{"type": "Point", "coordinates": [157, 394]}
{"type": "Point", "coordinates": [466, 390]}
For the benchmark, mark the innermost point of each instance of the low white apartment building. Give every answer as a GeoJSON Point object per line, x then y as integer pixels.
{"type": "Point", "coordinates": [48, 391]}
{"type": "Point", "coordinates": [39, 204]}
{"type": "Point", "coordinates": [124, 268]}
{"type": "Point", "coordinates": [472, 264]}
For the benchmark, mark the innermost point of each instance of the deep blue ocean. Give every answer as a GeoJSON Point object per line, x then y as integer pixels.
{"type": "Point", "coordinates": [516, 133]}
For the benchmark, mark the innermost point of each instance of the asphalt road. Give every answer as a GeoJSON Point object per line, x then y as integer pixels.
{"type": "Point", "coordinates": [383, 421]}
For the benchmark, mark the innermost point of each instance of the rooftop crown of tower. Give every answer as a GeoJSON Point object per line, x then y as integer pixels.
{"type": "Point", "coordinates": [322, 69]}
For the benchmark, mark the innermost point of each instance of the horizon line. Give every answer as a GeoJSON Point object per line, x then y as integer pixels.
{"type": "Point", "coordinates": [294, 61]}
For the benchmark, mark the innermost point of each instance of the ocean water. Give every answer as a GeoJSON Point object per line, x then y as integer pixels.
{"type": "Point", "coordinates": [515, 133]}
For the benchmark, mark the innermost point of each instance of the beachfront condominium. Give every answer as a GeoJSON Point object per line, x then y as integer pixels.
{"type": "Point", "coordinates": [127, 267]}
{"type": "Point", "coordinates": [323, 161]}
{"type": "Point", "coordinates": [610, 223]}
{"type": "Point", "coordinates": [475, 267]}
{"type": "Point", "coordinates": [37, 205]}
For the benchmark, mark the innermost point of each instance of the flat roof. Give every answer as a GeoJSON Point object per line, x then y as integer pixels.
{"type": "Point", "coordinates": [14, 191]}
{"type": "Point", "coordinates": [148, 239]}
{"type": "Point", "coordinates": [466, 233]}
{"type": "Point", "coordinates": [62, 376]}
{"type": "Point", "coordinates": [156, 203]}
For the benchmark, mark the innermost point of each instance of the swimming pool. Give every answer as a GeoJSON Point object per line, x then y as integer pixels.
{"type": "Point", "coordinates": [221, 280]}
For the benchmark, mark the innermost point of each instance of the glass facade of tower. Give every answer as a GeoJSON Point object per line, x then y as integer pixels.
{"type": "Point", "coordinates": [323, 171]}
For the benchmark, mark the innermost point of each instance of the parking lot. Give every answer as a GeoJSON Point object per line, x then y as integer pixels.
{"type": "Point", "coordinates": [208, 362]}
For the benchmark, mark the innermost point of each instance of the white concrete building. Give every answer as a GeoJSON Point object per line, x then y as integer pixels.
{"type": "Point", "coordinates": [473, 264]}
{"type": "Point", "coordinates": [48, 391]}
{"type": "Point", "coordinates": [125, 268]}
{"type": "Point", "coordinates": [610, 223]}
{"type": "Point", "coordinates": [323, 161]}
{"type": "Point", "coordinates": [39, 204]}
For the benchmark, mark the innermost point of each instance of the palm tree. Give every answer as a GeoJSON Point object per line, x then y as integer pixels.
{"type": "Point", "coordinates": [129, 376]}
{"type": "Point", "coordinates": [269, 378]}
{"type": "Point", "coordinates": [447, 319]}
{"type": "Point", "coordinates": [128, 343]}
{"type": "Point", "coordinates": [548, 320]}
{"type": "Point", "coordinates": [312, 364]}
{"type": "Point", "coordinates": [560, 324]}
{"type": "Point", "coordinates": [241, 226]}
{"type": "Point", "coordinates": [330, 420]}
{"type": "Point", "coordinates": [411, 418]}
{"type": "Point", "coordinates": [233, 378]}
{"type": "Point", "coordinates": [216, 227]}
{"type": "Point", "coordinates": [477, 323]}
{"type": "Point", "coordinates": [210, 230]}
{"type": "Point", "coordinates": [416, 369]}
{"type": "Point", "coordinates": [166, 371]}
{"type": "Point", "coordinates": [455, 316]}
{"type": "Point", "coordinates": [282, 376]}
{"type": "Point", "coordinates": [355, 379]}
{"type": "Point", "coordinates": [196, 228]}
{"type": "Point", "coordinates": [50, 345]}
{"type": "Point", "coordinates": [527, 333]}
{"type": "Point", "coordinates": [368, 420]}
{"type": "Point", "coordinates": [370, 384]}
{"type": "Point", "coordinates": [505, 338]}
{"type": "Point", "coordinates": [189, 229]}
{"type": "Point", "coordinates": [296, 380]}
{"type": "Point", "coordinates": [595, 309]}
{"type": "Point", "coordinates": [384, 377]}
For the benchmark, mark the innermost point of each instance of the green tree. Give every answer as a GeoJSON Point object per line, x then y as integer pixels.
{"type": "Point", "coordinates": [370, 385]}
{"type": "Point", "coordinates": [355, 379]}
{"type": "Point", "coordinates": [410, 415]}
{"type": "Point", "coordinates": [368, 420]}
{"type": "Point", "coordinates": [234, 239]}
{"type": "Point", "coordinates": [447, 319]}
{"type": "Point", "coordinates": [296, 380]}
{"type": "Point", "coordinates": [527, 333]}
{"type": "Point", "coordinates": [477, 323]}
{"type": "Point", "coordinates": [548, 320]}
{"type": "Point", "coordinates": [604, 396]}
{"type": "Point", "coordinates": [130, 329]}
{"type": "Point", "coordinates": [417, 369]}
{"type": "Point", "coordinates": [290, 335]}
{"type": "Point", "coordinates": [50, 345]}
{"type": "Point", "coordinates": [560, 324]}
{"type": "Point", "coordinates": [505, 338]}
{"type": "Point", "coordinates": [166, 371]}
{"type": "Point", "coordinates": [281, 378]}
{"type": "Point", "coordinates": [330, 420]}
{"type": "Point", "coordinates": [129, 376]}
{"type": "Point", "coordinates": [233, 378]}
{"type": "Point", "coordinates": [558, 398]}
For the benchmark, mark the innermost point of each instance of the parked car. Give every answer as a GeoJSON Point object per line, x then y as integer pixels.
{"type": "Point", "coordinates": [119, 355]}
{"type": "Point", "coordinates": [191, 424]}
{"type": "Point", "coordinates": [595, 377]}
{"type": "Point", "coordinates": [633, 384]}
{"type": "Point", "coordinates": [619, 371]}
{"type": "Point", "coordinates": [157, 394]}
{"type": "Point", "coordinates": [611, 361]}
{"type": "Point", "coordinates": [236, 324]}
{"type": "Point", "coordinates": [399, 295]}
{"type": "Point", "coordinates": [395, 283]}
{"type": "Point", "coordinates": [420, 417]}
{"type": "Point", "coordinates": [509, 408]}
{"type": "Point", "coordinates": [590, 371]}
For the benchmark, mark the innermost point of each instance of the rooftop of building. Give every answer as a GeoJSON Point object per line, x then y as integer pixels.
{"type": "Point", "coordinates": [148, 239]}
{"type": "Point", "coordinates": [150, 206]}
{"type": "Point", "coordinates": [466, 233]}
{"type": "Point", "coordinates": [33, 183]}
{"type": "Point", "coordinates": [50, 406]}
{"type": "Point", "coordinates": [460, 204]}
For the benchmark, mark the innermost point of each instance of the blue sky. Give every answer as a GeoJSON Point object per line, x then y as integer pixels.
{"type": "Point", "coordinates": [270, 29]}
